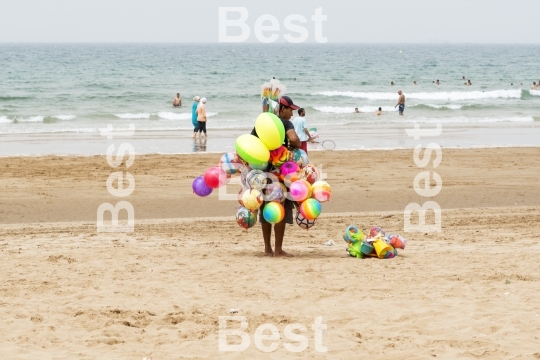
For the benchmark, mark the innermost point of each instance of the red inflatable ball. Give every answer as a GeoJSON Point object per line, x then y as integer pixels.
{"type": "Point", "coordinates": [216, 177]}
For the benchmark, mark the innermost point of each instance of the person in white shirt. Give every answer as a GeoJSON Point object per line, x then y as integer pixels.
{"type": "Point", "coordinates": [301, 129]}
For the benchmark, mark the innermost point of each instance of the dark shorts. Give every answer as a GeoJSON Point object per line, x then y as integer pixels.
{"type": "Point", "coordinates": [201, 127]}
{"type": "Point", "coordinates": [401, 108]}
{"type": "Point", "coordinates": [287, 205]}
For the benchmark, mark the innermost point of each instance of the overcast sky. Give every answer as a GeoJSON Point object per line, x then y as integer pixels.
{"type": "Point", "coordinates": [364, 21]}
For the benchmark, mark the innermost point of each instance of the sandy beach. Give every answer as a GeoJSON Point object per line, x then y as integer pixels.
{"type": "Point", "coordinates": [470, 291]}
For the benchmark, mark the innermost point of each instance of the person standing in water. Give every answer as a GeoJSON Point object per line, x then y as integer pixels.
{"type": "Point", "coordinates": [401, 103]}
{"type": "Point", "coordinates": [177, 101]}
{"type": "Point", "coordinates": [379, 112]}
{"type": "Point", "coordinates": [194, 112]}
{"type": "Point", "coordinates": [201, 118]}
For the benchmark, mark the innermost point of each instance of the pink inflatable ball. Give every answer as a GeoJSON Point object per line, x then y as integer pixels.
{"type": "Point", "coordinates": [200, 188]}
{"type": "Point", "coordinates": [289, 167]}
{"type": "Point", "coordinates": [216, 177]}
{"type": "Point", "coordinates": [311, 173]}
{"type": "Point", "coordinates": [231, 163]}
{"type": "Point", "coordinates": [300, 190]}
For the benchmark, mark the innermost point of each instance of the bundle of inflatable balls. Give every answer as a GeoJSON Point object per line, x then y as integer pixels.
{"type": "Point", "coordinates": [270, 174]}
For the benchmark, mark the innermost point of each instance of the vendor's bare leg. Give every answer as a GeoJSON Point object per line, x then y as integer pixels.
{"type": "Point", "coordinates": [267, 235]}
{"type": "Point", "coordinates": [279, 230]}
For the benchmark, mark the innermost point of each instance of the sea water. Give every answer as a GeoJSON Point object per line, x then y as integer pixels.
{"type": "Point", "coordinates": [55, 98]}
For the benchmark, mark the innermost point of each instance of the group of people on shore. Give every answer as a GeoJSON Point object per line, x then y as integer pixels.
{"type": "Point", "coordinates": [198, 114]}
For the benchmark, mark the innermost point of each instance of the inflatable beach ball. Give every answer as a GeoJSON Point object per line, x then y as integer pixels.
{"type": "Point", "coordinates": [215, 177]}
{"type": "Point", "coordinates": [273, 212]}
{"type": "Point", "coordinates": [274, 192]}
{"type": "Point", "coordinates": [256, 179]}
{"type": "Point", "coordinates": [245, 218]}
{"type": "Point", "coordinates": [279, 156]}
{"type": "Point", "coordinates": [311, 173]}
{"type": "Point", "coordinates": [300, 190]}
{"type": "Point", "coordinates": [303, 222]}
{"type": "Point", "coordinates": [270, 130]}
{"type": "Point", "coordinates": [310, 209]}
{"type": "Point", "coordinates": [231, 163]}
{"type": "Point", "coordinates": [321, 191]}
{"type": "Point", "coordinates": [251, 149]}
{"type": "Point", "coordinates": [200, 188]}
{"type": "Point", "coordinates": [259, 166]}
{"type": "Point", "coordinates": [299, 156]}
{"type": "Point", "coordinates": [252, 199]}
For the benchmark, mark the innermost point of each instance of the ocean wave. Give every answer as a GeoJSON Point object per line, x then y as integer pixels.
{"type": "Point", "coordinates": [5, 120]}
{"type": "Point", "coordinates": [179, 116]}
{"type": "Point", "coordinates": [440, 107]}
{"type": "Point", "coordinates": [534, 92]}
{"type": "Point", "coordinates": [32, 119]}
{"type": "Point", "coordinates": [133, 116]}
{"type": "Point", "coordinates": [350, 109]}
{"type": "Point", "coordinates": [448, 96]}
{"type": "Point", "coordinates": [463, 119]}
{"type": "Point", "coordinates": [65, 117]}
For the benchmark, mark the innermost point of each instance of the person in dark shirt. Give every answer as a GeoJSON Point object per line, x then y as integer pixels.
{"type": "Point", "coordinates": [286, 107]}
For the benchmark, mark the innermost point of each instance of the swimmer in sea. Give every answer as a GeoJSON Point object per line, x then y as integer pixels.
{"type": "Point", "coordinates": [378, 112]}
{"type": "Point", "coordinates": [177, 101]}
{"type": "Point", "coordinates": [414, 83]}
{"type": "Point", "coordinates": [391, 83]}
{"type": "Point", "coordinates": [356, 110]}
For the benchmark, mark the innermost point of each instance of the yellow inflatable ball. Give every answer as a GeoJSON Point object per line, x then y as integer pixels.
{"type": "Point", "coordinates": [270, 130]}
{"type": "Point", "coordinates": [252, 150]}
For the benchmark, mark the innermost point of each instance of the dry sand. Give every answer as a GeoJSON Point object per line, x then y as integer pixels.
{"type": "Point", "coordinates": [471, 291]}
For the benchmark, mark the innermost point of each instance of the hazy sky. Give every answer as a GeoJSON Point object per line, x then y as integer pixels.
{"type": "Point", "coordinates": [365, 21]}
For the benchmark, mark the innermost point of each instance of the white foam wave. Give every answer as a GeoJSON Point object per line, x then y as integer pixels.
{"type": "Point", "coordinates": [448, 96]}
{"type": "Point", "coordinates": [463, 119]}
{"type": "Point", "coordinates": [348, 110]}
{"type": "Point", "coordinates": [65, 117]}
{"type": "Point", "coordinates": [133, 116]}
{"type": "Point", "coordinates": [448, 106]}
{"type": "Point", "coordinates": [32, 119]}
{"type": "Point", "coordinates": [5, 120]}
{"type": "Point", "coordinates": [534, 92]}
{"type": "Point", "coordinates": [179, 116]}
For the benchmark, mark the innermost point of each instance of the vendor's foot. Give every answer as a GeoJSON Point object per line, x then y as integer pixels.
{"type": "Point", "coordinates": [269, 253]}
{"type": "Point", "coordinates": [282, 254]}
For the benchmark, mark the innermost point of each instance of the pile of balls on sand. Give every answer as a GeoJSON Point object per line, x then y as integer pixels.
{"type": "Point", "coordinates": [378, 244]}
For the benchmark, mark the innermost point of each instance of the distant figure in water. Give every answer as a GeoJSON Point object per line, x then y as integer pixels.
{"type": "Point", "coordinates": [356, 110]}
{"type": "Point", "coordinates": [177, 101]}
{"type": "Point", "coordinates": [414, 83]}
{"type": "Point", "coordinates": [469, 83]}
{"type": "Point", "coordinates": [201, 118]}
{"type": "Point", "coordinates": [378, 112]}
{"type": "Point", "coordinates": [464, 77]}
{"type": "Point", "coordinates": [391, 83]}
{"type": "Point", "coordinates": [437, 82]}
{"type": "Point", "coordinates": [533, 86]}
{"type": "Point", "coordinates": [294, 79]}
